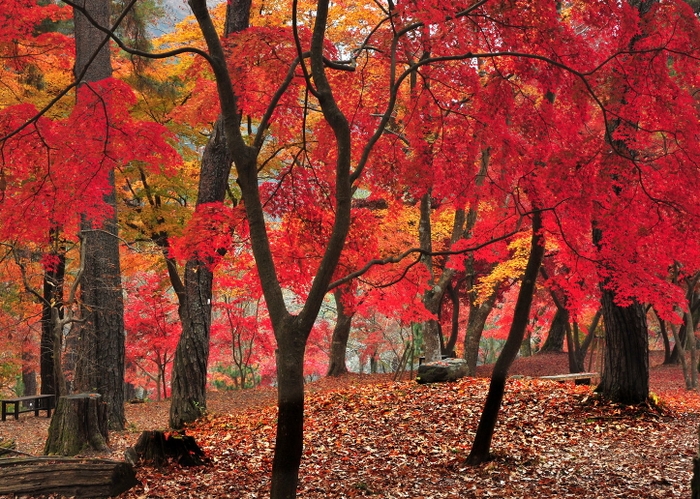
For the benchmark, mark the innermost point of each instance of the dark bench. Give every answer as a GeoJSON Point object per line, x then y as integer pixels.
{"type": "Point", "coordinates": [584, 378]}
{"type": "Point", "coordinates": [30, 403]}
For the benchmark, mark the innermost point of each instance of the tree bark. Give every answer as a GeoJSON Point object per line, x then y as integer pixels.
{"type": "Point", "coordinates": [557, 332]}
{"type": "Point", "coordinates": [189, 378]}
{"type": "Point", "coordinates": [478, 314]}
{"type": "Point", "coordinates": [481, 448]}
{"type": "Point", "coordinates": [83, 478]}
{"type": "Point", "coordinates": [189, 375]}
{"type": "Point", "coordinates": [453, 293]}
{"type": "Point", "coordinates": [79, 424]}
{"type": "Point", "coordinates": [625, 376]}
{"type": "Point", "coordinates": [101, 353]}
{"type": "Point", "coordinates": [289, 439]}
{"type": "Point", "coordinates": [339, 340]}
{"type": "Point", "coordinates": [53, 299]}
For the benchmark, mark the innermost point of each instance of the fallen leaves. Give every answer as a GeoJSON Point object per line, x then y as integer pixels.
{"type": "Point", "coordinates": [369, 437]}
{"type": "Point", "coordinates": [404, 440]}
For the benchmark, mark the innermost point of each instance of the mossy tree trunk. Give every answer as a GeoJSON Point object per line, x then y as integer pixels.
{"type": "Point", "coordinates": [79, 424]}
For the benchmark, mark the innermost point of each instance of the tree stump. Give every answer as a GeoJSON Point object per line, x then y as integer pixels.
{"type": "Point", "coordinates": [67, 477]}
{"type": "Point", "coordinates": [158, 448]}
{"type": "Point", "coordinates": [79, 424]}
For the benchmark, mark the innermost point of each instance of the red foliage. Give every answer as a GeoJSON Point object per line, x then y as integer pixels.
{"type": "Point", "coordinates": [152, 332]}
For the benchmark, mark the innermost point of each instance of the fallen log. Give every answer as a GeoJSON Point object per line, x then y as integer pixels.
{"type": "Point", "coordinates": [71, 477]}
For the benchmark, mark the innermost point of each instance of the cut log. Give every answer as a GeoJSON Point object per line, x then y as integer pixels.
{"type": "Point", "coordinates": [70, 477]}
{"type": "Point", "coordinates": [157, 448]}
{"type": "Point", "coordinates": [442, 370]}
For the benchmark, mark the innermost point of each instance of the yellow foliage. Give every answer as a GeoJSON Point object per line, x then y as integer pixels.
{"type": "Point", "coordinates": [510, 269]}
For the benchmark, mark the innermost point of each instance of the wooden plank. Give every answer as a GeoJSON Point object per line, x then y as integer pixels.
{"type": "Point", "coordinates": [572, 376]}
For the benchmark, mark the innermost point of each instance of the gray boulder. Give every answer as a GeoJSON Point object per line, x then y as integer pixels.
{"type": "Point", "coordinates": [442, 370]}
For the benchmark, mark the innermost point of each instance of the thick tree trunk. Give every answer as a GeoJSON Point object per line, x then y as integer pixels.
{"type": "Point", "coordinates": [339, 340]}
{"type": "Point", "coordinates": [625, 377]}
{"type": "Point", "coordinates": [78, 424]}
{"type": "Point", "coordinates": [189, 375]}
{"type": "Point", "coordinates": [101, 360]}
{"type": "Point", "coordinates": [431, 332]}
{"type": "Point", "coordinates": [290, 421]}
{"type": "Point", "coordinates": [481, 448]}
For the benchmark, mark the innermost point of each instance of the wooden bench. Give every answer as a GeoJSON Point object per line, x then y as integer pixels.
{"type": "Point", "coordinates": [30, 403]}
{"type": "Point", "coordinates": [572, 377]}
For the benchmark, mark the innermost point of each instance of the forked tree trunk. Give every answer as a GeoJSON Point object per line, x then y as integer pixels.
{"type": "Point", "coordinates": [481, 449]}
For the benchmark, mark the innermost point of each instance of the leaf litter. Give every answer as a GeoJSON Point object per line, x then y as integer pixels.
{"type": "Point", "coordinates": [366, 436]}
{"type": "Point", "coordinates": [404, 440]}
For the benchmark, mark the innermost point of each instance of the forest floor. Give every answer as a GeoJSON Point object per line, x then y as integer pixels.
{"type": "Point", "coordinates": [368, 436]}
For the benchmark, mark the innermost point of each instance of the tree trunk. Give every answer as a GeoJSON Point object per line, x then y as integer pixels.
{"type": "Point", "coordinates": [478, 314]}
{"type": "Point", "coordinates": [339, 340]}
{"type": "Point", "coordinates": [453, 292]}
{"type": "Point", "coordinates": [664, 336]}
{"type": "Point", "coordinates": [189, 378]}
{"type": "Point", "coordinates": [431, 299]}
{"type": "Point", "coordinates": [101, 361]}
{"type": "Point", "coordinates": [481, 448]}
{"type": "Point", "coordinates": [79, 424]}
{"type": "Point", "coordinates": [625, 377]}
{"type": "Point", "coordinates": [557, 332]}
{"type": "Point", "coordinates": [189, 375]}
{"type": "Point", "coordinates": [53, 299]}
{"type": "Point", "coordinates": [28, 372]}
{"type": "Point", "coordinates": [290, 421]}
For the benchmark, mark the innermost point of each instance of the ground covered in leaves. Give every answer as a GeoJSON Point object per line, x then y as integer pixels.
{"type": "Point", "coordinates": [368, 436]}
